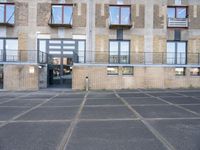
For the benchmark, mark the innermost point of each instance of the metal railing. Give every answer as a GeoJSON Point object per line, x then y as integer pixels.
{"type": "Point", "coordinates": [23, 56]}
{"type": "Point", "coordinates": [178, 22]}
{"type": "Point", "coordinates": [155, 58]}
{"type": "Point", "coordinates": [104, 57]}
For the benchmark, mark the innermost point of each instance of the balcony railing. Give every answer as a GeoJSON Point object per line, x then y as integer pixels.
{"type": "Point", "coordinates": [23, 56]}
{"type": "Point", "coordinates": [178, 22]}
{"type": "Point", "coordinates": [140, 58]}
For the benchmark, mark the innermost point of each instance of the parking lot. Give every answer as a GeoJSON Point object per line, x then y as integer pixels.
{"type": "Point", "coordinates": [100, 120]}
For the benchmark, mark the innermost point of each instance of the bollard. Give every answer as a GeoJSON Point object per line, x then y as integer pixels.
{"type": "Point", "coordinates": [86, 83]}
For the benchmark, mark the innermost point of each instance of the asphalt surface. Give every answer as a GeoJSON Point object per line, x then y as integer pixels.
{"type": "Point", "coordinates": [100, 120]}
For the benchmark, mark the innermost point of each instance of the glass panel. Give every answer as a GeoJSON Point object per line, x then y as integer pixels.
{"type": "Point", "coordinates": [12, 50]}
{"type": "Point", "coordinates": [112, 70]}
{"type": "Point", "coordinates": [57, 14]}
{"type": "Point", "coordinates": [114, 52]}
{"type": "Point", "coordinates": [10, 14]}
{"type": "Point", "coordinates": [54, 52]}
{"type": "Point", "coordinates": [1, 13]}
{"type": "Point", "coordinates": [127, 70]}
{"type": "Point", "coordinates": [55, 47]}
{"type": "Point", "coordinates": [114, 15]}
{"type": "Point", "coordinates": [171, 52]}
{"type": "Point", "coordinates": [42, 46]}
{"type": "Point", "coordinates": [81, 51]}
{"type": "Point", "coordinates": [69, 47]}
{"type": "Point", "coordinates": [1, 50]}
{"type": "Point", "coordinates": [171, 13]}
{"type": "Point", "coordinates": [181, 12]}
{"type": "Point", "coordinates": [55, 42]}
{"type": "Point", "coordinates": [124, 52]}
{"type": "Point", "coordinates": [68, 14]}
{"type": "Point", "coordinates": [67, 61]}
{"type": "Point", "coordinates": [1, 76]}
{"type": "Point", "coordinates": [56, 60]}
{"type": "Point", "coordinates": [180, 71]}
{"type": "Point", "coordinates": [195, 71]}
{"type": "Point", "coordinates": [125, 15]}
{"type": "Point", "coordinates": [181, 53]}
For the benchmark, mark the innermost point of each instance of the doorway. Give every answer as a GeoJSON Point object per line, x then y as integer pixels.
{"type": "Point", "coordinates": [60, 72]}
{"type": "Point", "coordinates": [1, 76]}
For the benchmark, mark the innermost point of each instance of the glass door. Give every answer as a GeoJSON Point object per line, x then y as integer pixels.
{"type": "Point", "coordinates": [1, 76]}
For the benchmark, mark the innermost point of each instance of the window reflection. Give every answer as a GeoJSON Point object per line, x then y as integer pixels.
{"type": "Point", "coordinates": [119, 15]}
{"type": "Point", "coordinates": [177, 12]}
{"type": "Point", "coordinates": [119, 52]}
{"type": "Point", "coordinates": [7, 13]}
{"type": "Point", "coordinates": [62, 14]}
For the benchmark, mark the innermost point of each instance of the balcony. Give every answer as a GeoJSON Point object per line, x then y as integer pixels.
{"type": "Point", "coordinates": [7, 14]}
{"type": "Point", "coordinates": [61, 16]}
{"type": "Point", "coordinates": [23, 56]}
{"type": "Point", "coordinates": [178, 22]}
{"type": "Point", "coordinates": [120, 17]}
{"type": "Point", "coordinates": [142, 58]}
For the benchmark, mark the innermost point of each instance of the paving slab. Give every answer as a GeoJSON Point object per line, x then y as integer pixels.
{"type": "Point", "coordinates": [7, 113]}
{"type": "Point", "coordinates": [100, 101]}
{"type": "Point", "coordinates": [113, 135]}
{"type": "Point", "coordinates": [50, 113]}
{"type": "Point", "coordinates": [71, 95]}
{"type": "Point", "coordinates": [32, 136]}
{"type": "Point", "coordinates": [118, 112]}
{"type": "Point", "coordinates": [195, 108]}
{"type": "Point", "coordinates": [182, 134]}
{"type": "Point", "coordinates": [164, 94]}
{"type": "Point", "coordinates": [182, 100]}
{"type": "Point", "coordinates": [133, 95]}
{"type": "Point", "coordinates": [74, 102]}
{"type": "Point", "coordinates": [103, 96]}
{"type": "Point", "coordinates": [162, 112]}
{"type": "Point", "coordinates": [196, 94]}
{"type": "Point", "coordinates": [27, 103]}
{"type": "Point", "coordinates": [143, 101]}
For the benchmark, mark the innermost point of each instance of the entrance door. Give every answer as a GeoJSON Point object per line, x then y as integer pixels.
{"type": "Point", "coordinates": [60, 72]}
{"type": "Point", "coordinates": [1, 76]}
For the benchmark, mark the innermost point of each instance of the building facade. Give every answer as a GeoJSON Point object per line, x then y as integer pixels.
{"type": "Point", "coordinates": [116, 44]}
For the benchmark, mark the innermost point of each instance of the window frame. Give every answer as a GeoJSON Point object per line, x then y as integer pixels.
{"type": "Point", "coordinates": [5, 14]}
{"type": "Point", "coordinates": [179, 75]}
{"type": "Point", "coordinates": [119, 51]}
{"type": "Point", "coordinates": [4, 51]}
{"type": "Point", "coordinates": [124, 74]}
{"type": "Point", "coordinates": [51, 23]}
{"type": "Point", "coordinates": [176, 7]}
{"type": "Point", "coordinates": [198, 72]}
{"type": "Point", "coordinates": [114, 74]}
{"type": "Point", "coordinates": [129, 25]}
{"type": "Point", "coordinates": [176, 49]}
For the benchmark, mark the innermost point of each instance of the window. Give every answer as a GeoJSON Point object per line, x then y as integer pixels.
{"type": "Point", "coordinates": [126, 70]}
{"type": "Point", "coordinates": [180, 71]}
{"type": "Point", "coordinates": [177, 12]}
{"type": "Point", "coordinates": [119, 52]}
{"type": "Point", "coordinates": [176, 52]}
{"type": "Point", "coordinates": [9, 49]}
{"type": "Point", "coordinates": [7, 13]}
{"type": "Point", "coordinates": [61, 14]}
{"type": "Point", "coordinates": [120, 15]}
{"type": "Point", "coordinates": [112, 70]}
{"type": "Point", "coordinates": [195, 71]}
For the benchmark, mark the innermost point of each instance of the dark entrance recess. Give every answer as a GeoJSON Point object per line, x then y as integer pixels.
{"type": "Point", "coordinates": [60, 72]}
{"type": "Point", "coordinates": [62, 54]}
{"type": "Point", "coordinates": [1, 76]}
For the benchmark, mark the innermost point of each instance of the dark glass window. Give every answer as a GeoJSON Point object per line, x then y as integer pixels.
{"type": "Point", "coordinates": [127, 70]}
{"type": "Point", "coordinates": [120, 15]}
{"type": "Point", "coordinates": [195, 71]}
{"type": "Point", "coordinates": [176, 52]}
{"type": "Point", "coordinates": [177, 12]}
{"type": "Point", "coordinates": [113, 70]}
{"type": "Point", "coordinates": [62, 14]}
{"type": "Point", "coordinates": [7, 13]}
{"type": "Point", "coordinates": [119, 52]}
{"type": "Point", "coordinates": [180, 71]}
